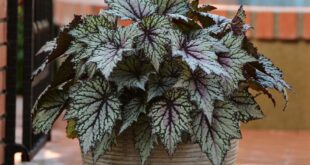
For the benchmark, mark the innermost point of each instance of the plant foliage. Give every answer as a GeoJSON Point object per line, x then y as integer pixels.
{"type": "Point", "coordinates": [175, 70]}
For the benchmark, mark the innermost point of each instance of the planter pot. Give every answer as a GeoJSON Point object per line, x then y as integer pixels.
{"type": "Point", "coordinates": [124, 153]}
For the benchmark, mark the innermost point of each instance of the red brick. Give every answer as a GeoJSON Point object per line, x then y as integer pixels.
{"type": "Point", "coordinates": [2, 104]}
{"type": "Point", "coordinates": [306, 26]}
{"type": "Point", "coordinates": [2, 9]}
{"type": "Point", "coordinates": [2, 32]}
{"type": "Point", "coordinates": [2, 81]}
{"type": "Point", "coordinates": [264, 25]}
{"type": "Point", "coordinates": [58, 12]}
{"type": "Point", "coordinates": [124, 22]}
{"type": "Point", "coordinates": [2, 129]}
{"type": "Point", "coordinates": [288, 25]}
{"type": "Point", "coordinates": [1, 153]}
{"type": "Point", "coordinates": [220, 12]}
{"type": "Point", "coordinates": [248, 21]}
{"type": "Point", "coordinates": [3, 56]}
{"type": "Point", "coordinates": [87, 10]}
{"type": "Point", "coordinates": [99, 8]}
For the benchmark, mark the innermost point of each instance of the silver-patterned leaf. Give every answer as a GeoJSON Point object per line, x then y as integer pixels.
{"type": "Point", "coordinates": [238, 22]}
{"type": "Point", "coordinates": [154, 38]}
{"type": "Point", "coordinates": [204, 89]}
{"type": "Point", "coordinates": [198, 52]}
{"type": "Point", "coordinates": [106, 54]}
{"type": "Point", "coordinates": [131, 9]}
{"type": "Point", "coordinates": [132, 111]}
{"type": "Point", "coordinates": [85, 69]}
{"type": "Point", "coordinates": [131, 72]}
{"type": "Point", "coordinates": [78, 52]}
{"type": "Point", "coordinates": [165, 7]}
{"type": "Point", "coordinates": [222, 23]}
{"type": "Point", "coordinates": [170, 118]}
{"type": "Point", "coordinates": [179, 17]}
{"type": "Point", "coordinates": [95, 107]}
{"type": "Point", "coordinates": [144, 138]}
{"type": "Point", "coordinates": [104, 145]}
{"type": "Point", "coordinates": [271, 69]}
{"type": "Point", "coordinates": [234, 60]}
{"type": "Point", "coordinates": [159, 83]}
{"type": "Point", "coordinates": [273, 78]}
{"type": "Point", "coordinates": [246, 105]}
{"type": "Point", "coordinates": [214, 138]}
{"type": "Point", "coordinates": [91, 25]}
{"type": "Point", "coordinates": [48, 47]}
{"type": "Point", "coordinates": [268, 81]}
{"type": "Point", "coordinates": [48, 107]}
{"type": "Point", "coordinates": [57, 48]}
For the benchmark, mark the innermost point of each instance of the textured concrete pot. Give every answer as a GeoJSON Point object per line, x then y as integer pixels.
{"type": "Point", "coordinates": [124, 153]}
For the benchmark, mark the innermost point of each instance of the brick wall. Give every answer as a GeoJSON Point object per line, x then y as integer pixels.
{"type": "Point", "coordinates": [3, 61]}
{"type": "Point", "coordinates": [282, 23]}
{"type": "Point", "coordinates": [270, 23]}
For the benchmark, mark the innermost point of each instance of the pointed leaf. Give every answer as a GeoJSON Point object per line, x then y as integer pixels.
{"type": "Point", "coordinates": [107, 53]}
{"type": "Point", "coordinates": [79, 52]}
{"type": "Point", "coordinates": [104, 145]}
{"type": "Point", "coordinates": [234, 60]}
{"type": "Point", "coordinates": [47, 109]}
{"type": "Point", "coordinates": [64, 74]}
{"type": "Point", "coordinates": [131, 9]}
{"type": "Point", "coordinates": [154, 38]}
{"type": "Point", "coordinates": [269, 76]}
{"type": "Point", "coordinates": [132, 111]}
{"type": "Point", "coordinates": [268, 81]}
{"type": "Point", "coordinates": [218, 24]}
{"type": "Point", "coordinates": [238, 22]}
{"type": "Point", "coordinates": [95, 107]}
{"type": "Point", "coordinates": [214, 138]}
{"type": "Point", "coordinates": [180, 7]}
{"type": "Point", "coordinates": [271, 69]}
{"type": "Point", "coordinates": [58, 46]}
{"type": "Point", "coordinates": [198, 52]}
{"type": "Point", "coordinates": [204, 89]}
{"type": "Point", "coordinates": [246, 105]}
{"type": "Point", "coordinates": [91, 25]}
{"type": "Point", "coordinates": [144, 138]}
{"type": "Point", "coordinates": [48, 47]}
{"type": "Point", "coordinates": [170, 118]}
{"type": "Point", "coordinates": [160, 83]}
{"type": "Point", "coordinates": [131, 72]}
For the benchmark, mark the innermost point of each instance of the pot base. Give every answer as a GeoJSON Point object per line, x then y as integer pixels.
{"type": "Point", "coordinates": [124, 153]}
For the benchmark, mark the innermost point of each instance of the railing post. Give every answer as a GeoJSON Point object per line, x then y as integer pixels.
{"type": "Point", "coordinates": [10, 125]}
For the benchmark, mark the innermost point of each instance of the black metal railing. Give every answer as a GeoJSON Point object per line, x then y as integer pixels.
{"type": "Point", "coordinates": [38, 28]}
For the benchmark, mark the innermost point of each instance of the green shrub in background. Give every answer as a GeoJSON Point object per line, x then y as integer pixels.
{"type": "Point", "coordinates": [20, 53]}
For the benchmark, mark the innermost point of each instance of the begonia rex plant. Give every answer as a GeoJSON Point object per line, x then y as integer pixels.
{"type": "Point", "coordinates": [174, 73]}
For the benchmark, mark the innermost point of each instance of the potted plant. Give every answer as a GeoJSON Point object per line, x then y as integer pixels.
{"type": "Point", "coordinates": [174, 80]}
